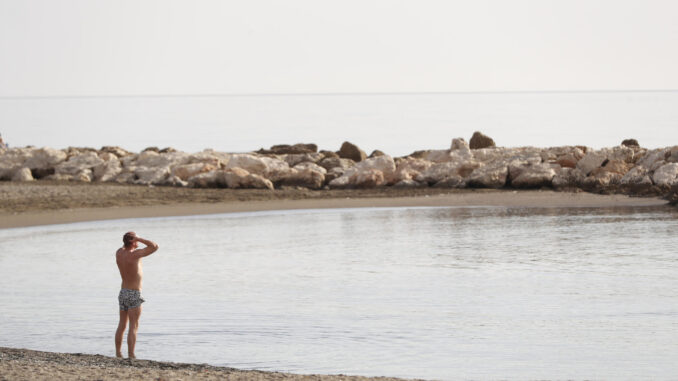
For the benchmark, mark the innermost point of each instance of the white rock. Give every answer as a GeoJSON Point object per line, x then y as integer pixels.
{"type": "Point", "coordinates": [205, 179]}
{"type": "Point", "coordinates": [186, 171]}
{"type": "Point", "coordinates": [310, 166]}
{"type": "Point", "coordinates": [45, 158]}
{"type": "Point", "coordinates": [666, 175]}
{"type": "Point", "coordinates": [108, 170]}
{"type": "Point", "coordinates": [305, 176]}
{"type": "Point", "coordinates": [294, 159]}
{"type": "Point", "coordinates": [532, 176]}
{"type": "Point", "coordinates": [651, 157]}
{"type": "Point", "coordinates": [76, 164]}
{"type": "Point", "coordinates": [407, 169]}
{"type": "Point", "coordinates": [637, 175]}
{"type": "Point", "coordinates": [240, 178]}
{"type": "Point", "coordinates": [84, 176]}
{"type": "Point", "coordinates": [151, 175]}
{"type": "Point", "coordinates": [489, 176]}
{"type": "Point", "coordinates": [23, 174]}
{"type": "Point", "coordinates": [567, 178]}
{"type": "Point", "coordinates": [153, 159]}
{"type": "Point", "coordinates": [370, 178]}
{"type": "Point", "coordinates": [454, 181]}
{"type": "Point", "coordinates": [459, 144]}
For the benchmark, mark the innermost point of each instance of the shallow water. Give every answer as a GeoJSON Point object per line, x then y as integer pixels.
{"type": "Point", "coordinates": [444, 293]}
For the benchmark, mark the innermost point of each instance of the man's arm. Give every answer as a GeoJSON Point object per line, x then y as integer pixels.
{"type": "Point", "coordinates": [150, 248]}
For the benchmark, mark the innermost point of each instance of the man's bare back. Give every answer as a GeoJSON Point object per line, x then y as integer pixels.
{"type": "Point", "coordinates": [128, 259]}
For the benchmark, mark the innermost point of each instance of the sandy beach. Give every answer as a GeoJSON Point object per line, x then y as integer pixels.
{"type": "Point", "coordinates": [41, 203]}
{"type": "Point", "coordinates": [24, 364]}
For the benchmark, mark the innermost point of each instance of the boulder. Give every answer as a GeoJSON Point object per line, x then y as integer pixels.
{"type": "Point", "coordinates": [454, 181]}
{"type": "Point", "coordinates": [151, 175]}
{"type": "Point", "coordinates": [294, 159]}
{"type": "Point", "coordinates": [108, 170]}
{"type": "Point", "coordinates": [600, 179]}
{"type": "Point", "coordinates": [459, 144]}
{"type": "Point", "coordinates": [334, 162]}
{"type": "Point", "coordinates": [84, 176]}
{"type": "Point", "coordinates": [213, 158]}
{"type": "Point", "coordinates": [567, 161]}
{"type": "Point", "coordinates": [272, 169]}
{"type": "Point", "coordinates": [23, 174]}
{"type": "Point", "coordinates": [175, 181]}
{"type": "Point", "coordinates": [210, 179]}
{"type": "Point", "coordinates": [186, 171]}
{"type": "Point", "coordinates": [651, 157]}
{"type": "Point", "coordinates": [307, 175]}
{"type": "Point", "coordinates": [351, 151]}
{"type": "Point", "coordinates": [167, 150]}
{"type": "Point", "coordinates": [630, 143]}
{"type": "Point", "coordinates": [489, 176]}
{"type": "Point", "coordinates": [370, 178]}
{"type": "Point", "coordinates": [567, 178]}
{"type": "Point", "coordinates": [286, 149]}
{"type": "Point", "coordinates": [479, 140]}
{"type": "Point", "coordinates": [440, 171]}
{"type": "Point", "coordinates": [671, 155]}
{"type": "Point", "coordinates": [240, 178]}
{"type": "Point", "coordinates": [45, 158]}
{"type": "Point", "coordinates": [151, 149]}
{"type": "Point", "coordinates": [617, 166]}
{"type": "Point", "coordinates": [636, 175]}
{"type": "Point", "coordinates": [409, 168]}
{"type": "Point", "coordinates": [329, 154]}
{"type": "Point", "coordinates": [79, 163]}
{"type": "Point", "coordinates": [117, 151]}
{"type": "Point", "coordinates": [592, 160]}
{"type": "Point", "coordinates": [666, 175]}
{"type": "Point", "coordinates": [376, 153]}
{"type": "Point", "coordinates": [154, 159]}
{"type": "Point", "coordinates": [531, 176]}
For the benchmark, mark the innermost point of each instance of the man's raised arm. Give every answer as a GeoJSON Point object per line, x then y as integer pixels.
{"type": "Point", "coordinates": [150, 248]}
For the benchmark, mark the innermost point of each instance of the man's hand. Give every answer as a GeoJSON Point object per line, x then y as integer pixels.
{"type": "Point", "coordinates": [150, 248]}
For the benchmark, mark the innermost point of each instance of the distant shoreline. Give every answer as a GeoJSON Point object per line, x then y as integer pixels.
{"type": "Point", "coordinates": [44, 203]}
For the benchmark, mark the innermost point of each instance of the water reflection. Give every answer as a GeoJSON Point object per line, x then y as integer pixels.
{"type": "Point", "coordinates": [439, 293]}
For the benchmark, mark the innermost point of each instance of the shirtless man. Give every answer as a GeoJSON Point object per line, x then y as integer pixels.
{"type": "Point", "coordinates": [128, 258]}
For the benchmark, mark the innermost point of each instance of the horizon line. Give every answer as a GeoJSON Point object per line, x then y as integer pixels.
{"type": "Point", "coordinates": [291, 94]}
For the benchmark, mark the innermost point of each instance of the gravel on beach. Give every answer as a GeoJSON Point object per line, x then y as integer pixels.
{"type": "Point", "coordinates": [24, 364]}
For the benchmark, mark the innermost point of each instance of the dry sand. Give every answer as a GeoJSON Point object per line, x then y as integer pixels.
{"type": "Point", "coordinates": [40, 203]}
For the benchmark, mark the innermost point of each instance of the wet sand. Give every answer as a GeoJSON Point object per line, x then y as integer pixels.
{"type": "Point", "coordinates": [41, 203]}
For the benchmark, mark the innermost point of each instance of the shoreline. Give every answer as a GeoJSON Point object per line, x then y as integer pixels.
{"type": "Point", "coordinates": [26, 364]}
{"type": "Point", "coordinates": [34, 204]}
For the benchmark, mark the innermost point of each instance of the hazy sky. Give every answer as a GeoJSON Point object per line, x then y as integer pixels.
{"type": "Point", "coordinates": [126, 47]}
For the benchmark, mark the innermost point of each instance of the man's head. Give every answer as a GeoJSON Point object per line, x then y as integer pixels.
{"type": "Point", "coordinates": [129, 239]}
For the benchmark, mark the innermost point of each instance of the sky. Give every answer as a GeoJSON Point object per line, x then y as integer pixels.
{"type": "Point", "coordinates": [170, 47]}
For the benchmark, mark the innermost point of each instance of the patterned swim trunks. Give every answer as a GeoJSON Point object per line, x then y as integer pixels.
{"type": "Point", "coordinates": [128, 299]}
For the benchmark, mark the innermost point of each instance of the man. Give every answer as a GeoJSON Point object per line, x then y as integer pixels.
{"type": "Point", "coordinates": [128, 258]}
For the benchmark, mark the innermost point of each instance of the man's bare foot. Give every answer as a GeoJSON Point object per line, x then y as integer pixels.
{"type": "Point", "coordinates": [132, 357]}
{"type": "Point", "coordinates": [118, 355]}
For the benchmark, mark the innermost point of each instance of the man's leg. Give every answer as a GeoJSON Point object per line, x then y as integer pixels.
{"type": "Point", "coordinates": [134, 314]}
{"type": "Point", "coordinates": [121, 331]}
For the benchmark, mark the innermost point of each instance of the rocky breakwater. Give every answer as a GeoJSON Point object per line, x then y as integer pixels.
{"type": "Point", "coordinates": [627, 168]}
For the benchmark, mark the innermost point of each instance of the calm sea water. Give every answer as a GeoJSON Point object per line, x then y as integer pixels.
{"type": "Point", "coordinates": [397, 124]}
{"type": "Point", "coordinates": [441, 293]}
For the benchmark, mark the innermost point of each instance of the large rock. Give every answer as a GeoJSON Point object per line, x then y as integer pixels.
{"type": "Point", "coordinates": [489, 176]}
{"type": "Point", "coordinates": [45, 158]}
{"type": "Point", "coordinates": [638, 175]}
{"type": "Point", "coordinates": [617, 166]}
{"type": "Point", "coordinates": [186, 171]}
{"type": "Point", "coordinates": [23, 174]}
{"type": "Point", "coordinates": [270, 168]}
{"type": "Point", "coordinates": [364, 174]}
{"type": "Point", "coordinates": [666, 175]}
{"type": "Point", "coordinates": [409, 168]}
{"type": "Point", "coordinates": [630, 143]}
{"type": "Point", "coordinates": [79, 163]}
{"type": "Point", "coordinates": [306, 175]}
{"type": "Point", "coordinates": [592, 160]}
{"type": "Point", "coordinates": [334, 162]}
{"type": "Point", "coordinates": [352, 151]}
{"type": "Point", "coordinates": [152, 159]}
{"type": "Point", "coordinates": [671, 156]}
{"type": "Point", "coordinates": [108, 170]}
{"type": "Point", "coordinates": [210, 179]}
{"type": "Point", "coordinates": [567, 179]}
{"type": "Point", "coordinates": [294, 159]}
{"type": "Point", "coordinates": [240, 178]}
{"type": "Point", "coordinates": [370, 178]}
{"type": "Point", "coordinates": [285, 149]}
{"type": "Point", "coordinates": [601, 179]}
{"type": "Point", "coordinates": [531, 176]}
{"type": "Point", "coordinates": [479, 140]}
{"type": "Point", "coordinates": [117, 151]}
{"type": "Point", "coordinates": [454, 181]}
{"type": "Point", "coordinates": [151, 175]}
{"type": "Point", "coordinates": [440, 171]}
